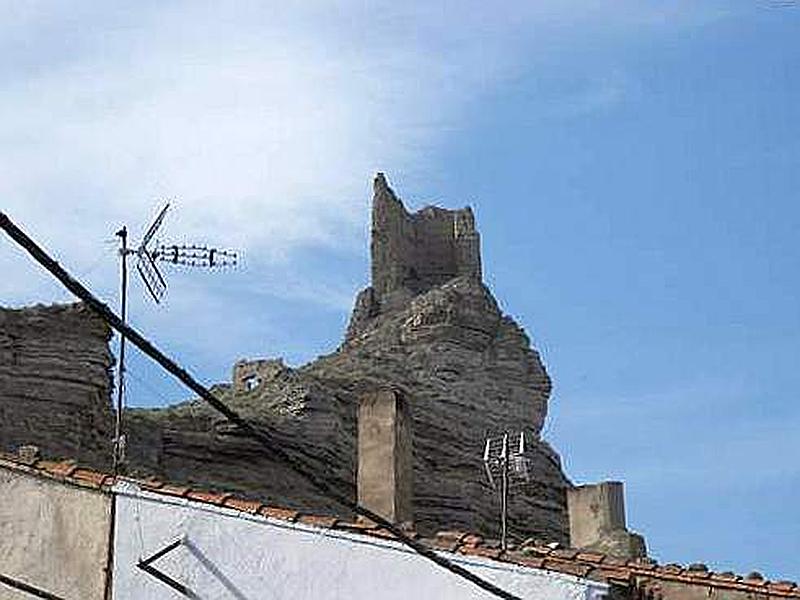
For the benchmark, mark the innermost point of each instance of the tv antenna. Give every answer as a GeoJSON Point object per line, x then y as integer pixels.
{"type": "Point", "coordinates": [148, 255]}
{"type": "Point", "coordinates": [507, 464]}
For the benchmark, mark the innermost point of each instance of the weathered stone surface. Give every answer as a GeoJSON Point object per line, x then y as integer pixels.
{"type": "Point", "coordinates": [55, 381]}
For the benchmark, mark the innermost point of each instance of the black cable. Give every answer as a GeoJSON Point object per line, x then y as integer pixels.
{"type": "Point", "coordinates": [260, 436]}
{"type": "Point", "coordinates": [146, 565]}
{"type": "Point", "coordinates": [19, 585]}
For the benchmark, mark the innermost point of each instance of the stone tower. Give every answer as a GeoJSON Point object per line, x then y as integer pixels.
{"type": "Point", "coordinates": [419, 251]}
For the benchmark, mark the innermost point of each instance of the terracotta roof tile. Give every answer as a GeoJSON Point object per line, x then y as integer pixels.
{"type": "Point", "coordinates": [536, 551]}
{"type": "Point", "coordinates": [151, 483]}
{"type": "Point", "coordinates": [782, 586]}
{"type": "Point", "coordinates": [525, 561]}
{"type": "Point", "coordinates": [697, 574]}
{"type": "Point", "coordinates": [671, 569]}
{"type": "Point", "coordinates": [484, 552]}
{"type": "Point", "coordinates": [382, 533]}
{"type": "Point", "coordinates": [724, 576]}
{"type": "Point", "coordinates": [275, 512]}
{"type": "Point", "coordinates": [642, 563]}
{"type": "Point", "coordinates": [318, 520]}
{"type": "Point", "coordinates": [248, 506]}
{"type": "Point", "coordinates": [591, 557]}
{"type": "Point", "coordinates": [568, 567]}
{"type": "Point", "coordinates": [63, 468]}
{"type": "Point", "coordinates": [174, 490]}
{"type": "Point", "coordinates": [208, 497]}
{"type": "Point", "coordinates": [360, 526]}
{"type": "Point", "coordinates": [565, 553]}
{"type": "Point", "coordinates": [611, 573]}
{"type": "Point", "coordinates": [92, 478]}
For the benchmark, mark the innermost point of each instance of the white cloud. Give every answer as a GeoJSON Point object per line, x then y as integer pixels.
{"type": "Point", "coordinates": [264, 132]}
{"type": "Point", "coordinates": [263, 123]}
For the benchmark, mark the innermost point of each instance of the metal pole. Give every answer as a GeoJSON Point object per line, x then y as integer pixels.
{"type": "Point", "coordinates": [504, 492]}
{"type": "Point", "coordinates": [118, 443]}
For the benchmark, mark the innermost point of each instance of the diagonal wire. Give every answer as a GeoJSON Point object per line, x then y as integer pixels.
{"type": "Point", "coordinates": [27, 588]}
{"type": "Point", "coordinates": [138, 340]}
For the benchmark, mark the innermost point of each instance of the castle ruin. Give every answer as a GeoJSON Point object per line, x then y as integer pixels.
{"type": "Point", "coordinates": [427, 327]}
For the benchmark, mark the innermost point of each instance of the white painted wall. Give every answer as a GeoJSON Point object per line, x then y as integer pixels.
{"type": "Point", "coordinates": [231, 555]}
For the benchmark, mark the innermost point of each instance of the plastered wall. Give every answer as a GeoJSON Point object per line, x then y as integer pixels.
{"type": "Point", "coordinates": [228, 554]}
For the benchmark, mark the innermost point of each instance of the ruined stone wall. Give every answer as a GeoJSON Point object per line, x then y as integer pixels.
{"type": "Point", "coordinates": [55, 381]}
{"type": "Point", "coordinates": [415, 252]}
{"type": "Point", "coordinates": [249, 374]}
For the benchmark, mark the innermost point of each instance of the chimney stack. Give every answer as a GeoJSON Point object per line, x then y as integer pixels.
{"type": "Point", "coordinates": [385, 467]}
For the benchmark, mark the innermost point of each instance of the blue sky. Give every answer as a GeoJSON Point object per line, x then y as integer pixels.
{"type": "Point", "coordinates": [633, 170]}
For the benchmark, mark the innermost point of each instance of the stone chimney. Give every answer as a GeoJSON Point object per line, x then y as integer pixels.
{"type": "Point", "coordinates": [597, 520]}
{"type": "Point", "coordinates": [384, 455]}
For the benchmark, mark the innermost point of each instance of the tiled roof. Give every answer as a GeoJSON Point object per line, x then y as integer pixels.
{"type": "Point", "coordinates": [590, 565]}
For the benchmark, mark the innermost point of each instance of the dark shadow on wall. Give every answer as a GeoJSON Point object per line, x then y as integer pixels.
{"type": "Point", "coordinates": [214, 570]}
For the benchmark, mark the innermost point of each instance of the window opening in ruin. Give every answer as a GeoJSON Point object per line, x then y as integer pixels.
{"type": "Point", "coordinates": [251, 382]}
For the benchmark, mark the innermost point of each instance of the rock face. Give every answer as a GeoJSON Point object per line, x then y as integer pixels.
{"type": "Point", "coordinates": [55, 381]}
{"type": "Point", "coordinates": [428, 326]}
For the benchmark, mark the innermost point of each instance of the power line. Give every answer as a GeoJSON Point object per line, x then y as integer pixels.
{"type": "Point", "coordinates": [247, 428]}
{"type": "Point", "coordinates": [29, 589]}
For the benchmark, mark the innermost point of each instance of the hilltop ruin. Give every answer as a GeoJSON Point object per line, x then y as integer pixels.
{"type": "Point", "coordinates": [427, 327]}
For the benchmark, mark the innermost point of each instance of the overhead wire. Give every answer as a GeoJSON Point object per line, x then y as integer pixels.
{"type": "Point", "coordinates": [247, 428]}
{"type": "Point", "coordinates": [27, 588]}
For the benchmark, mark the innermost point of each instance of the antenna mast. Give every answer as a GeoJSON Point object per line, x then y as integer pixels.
{"type": "Point", "coordinates": [509, 465]}
{"type": "Point", "coordinates": [119, 444]}
{"type": "Point", "coordinates": [156, 285]}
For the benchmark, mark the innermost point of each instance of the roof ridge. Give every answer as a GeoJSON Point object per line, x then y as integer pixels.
{"type": "Point", "coordinates": [531, 553]}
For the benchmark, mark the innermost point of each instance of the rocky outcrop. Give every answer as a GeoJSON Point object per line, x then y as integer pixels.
{"type": "Point", "coordinates": [427, 326]}
{"type": "Point", "coordinates": [55, 381]}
